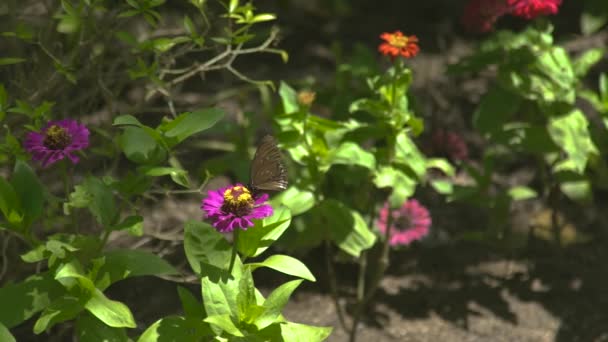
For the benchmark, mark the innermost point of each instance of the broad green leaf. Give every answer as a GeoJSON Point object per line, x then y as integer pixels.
{"type": "Point", "coordinates": [295, 332]}
{"type": "Point", "coordinates": [350, 153]}
{"type": "Point", "coordinates": [495, 109]}
{"type": "Point", "coordinates": [275, 303]}
{"type": "Point", "coordinates": [27, 298]}
{"type": "Point", "coordinates": [188, 124]}
{"type": "Point", "coordinates": [191, 306]}
{"type": "Point", "coordinates": [177, 329]}
{"type": "Point", "coordinates": [5, 334]}
{"type": "Point", "coordinates": [134, 224]}
{"type": "Point", "coordinates": [28, 188]}
{"type": "Point", "coordinates": [221, 289]}
{"type": "Point", "coordinates": [225, 323]}
{"type": "Point", "coordinates": [124, 263]}
{"type": "Point", "coordinates": [298, 201]}
{"type": "Point", "coordinates": [285, 264]}
{"type": "Point", "coordinates": [571, 133]}
{"type": "Point", "coordinates": [407, 153]}
{"type": "Point", "coordinates": [127, 120]}
{"type": "Point", "coordinates": [289, 98]}
{"type": "Point", "coordinates": [255, 240]}
{"type": "Point", "coordinates": [346, 227]}
{"type": "Point", "coordinates": [520, 193]}
{"type": "Point", "coordinates": [112, 313]}
{"type": "Point", "coordinates": [64, 308]}
{"type": "Point", "coordinates": [205, 247]}
{"type": "Point", "coordinates": [141, 147]}
{"type": "Point", "coordinates": [179, 176]}
{"type": "Point", "coordinates": [91, 329]}
{"type": "Point", "coordinates": [245, 299]}
{"type": "Point", "coordinates": [101, 201]}
{"type": "Point", "coordinates": [402, 185]}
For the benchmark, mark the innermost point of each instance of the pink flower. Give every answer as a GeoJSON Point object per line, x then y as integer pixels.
{"type": "Point", "coordinates": [234, 207]}
{"type": "Point", "coordinates": [57, 140]}
{"type": "Point", "coordinates": [410, 222]}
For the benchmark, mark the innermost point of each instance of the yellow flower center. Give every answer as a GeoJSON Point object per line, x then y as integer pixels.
{"type": "Point", "coordinates": [398, 40]}
{"type": "Point", "coordinates": [56, 138]}
{"type": "Point", "coordinates": [238, 201]}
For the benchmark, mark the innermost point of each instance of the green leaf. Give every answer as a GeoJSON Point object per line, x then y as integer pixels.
{"type": "Point", "coordinates": [285, 264]}
{"type": "Point", "coordinates": [91, 329]}
{"type": "Point", "coordinates": [64, 308]}
{"type": "Point", "coordinates": [5, 334]}
{"type": "Point", "coordinates": [188, 124]}
{"type": "Point", "coordinates": [407, 153]}
{"type": "Point", "coordinates": [443, 187]}
{"type": "Point", "coordinates": [349, 153]}
{"type": "Point", "coordinates": [520, 193]}
{"type": "Point", "coordinates": [402, 185]}
{"type": "Point", "coordinates": [495, 109]}
{"type": "Point", "coordinates": [275, 303]}
{"type": "Point", "coordinates": [11, 60]}
{"type": "Point", "coordinates": [101, 201]}
{"type": "Point", "coordinates": [220, 290]}
{"type": "Point", "coordinates": [30, 191]}
{"type": "Point", "coordinates": [177, 329]}
{"type": "Point", "coordinates": [134, 224]}
{"type": "Point", "coordinates": [594, 16]}
{"type": "Point", "coordinates": [255, 240]}
{"type": "Point", "coordinates": [191, 306]}
{"type": "Point", "coordinates": [571, 133]}
{"type": "Point", "coordinates": [587, 60]}
{"type": "Point", "coordinates": [139, 146]}
{"type": "Point", "coordinates": [179, 176]}
{"type": "Point", "coordinates": [9, 202]}
{"type": "Point", "coordinates": [205, 247]}
{"type": "Point", "coordinates": [225, 323]}
{"type": "Point", "coordinates": [345, 226]}
{"type": "Point", "coordinates": [125, 263]}
{"type": "Point", "coordinates": [295, 332]}
{"type": "Point", "coordinates": [262, 17]}
{"type": "Point", "coordinates": [441, 164]}
{"type": "Point", "coordinates": [112, 313]}
{"type": "Point", "coordinates": [577, 190]}
{"type": "Point", "coordinates": [298, 201]}
{"type": "Point", "coordinates": [289, 98]}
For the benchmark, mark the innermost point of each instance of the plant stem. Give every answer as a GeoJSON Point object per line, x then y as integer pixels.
{"type": "Point", "coordinates": [333, 286]}
{"type": "Point", "coordinates": [235, 235]}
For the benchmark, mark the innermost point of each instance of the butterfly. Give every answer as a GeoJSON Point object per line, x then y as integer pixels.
{"type": "Point", "coordinates": [268, 173]}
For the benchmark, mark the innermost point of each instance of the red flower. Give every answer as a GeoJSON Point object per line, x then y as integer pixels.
{"type": "Point", "coordinates": [450, 145]}
{"type": "Point", "coordinates": [397, 44]}
{"type": "Point", "coordinates": [480, 15]}
{"type": "Point", "coordinates": [530, 9]}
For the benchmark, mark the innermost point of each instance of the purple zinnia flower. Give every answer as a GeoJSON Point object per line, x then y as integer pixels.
{"type": "Point", "coordinates": [59, 139]}
{"type": "Point", "coordinates": [234, 207]}
{"type": "Point", "coordinates": [410, 222]}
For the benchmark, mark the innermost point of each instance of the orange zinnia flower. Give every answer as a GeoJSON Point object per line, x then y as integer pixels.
{"type": "Point", "coordinates": [397, 44]}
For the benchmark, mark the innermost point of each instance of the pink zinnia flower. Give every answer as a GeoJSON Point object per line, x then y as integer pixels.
{"type": "Point", "coordinates": [450, 145]}
{"type": "Point", "coordinates": [530, 9]}
{"type": "Point", "coordinates": [57, 140]}
{"type": "Point", "coordinates": [410, 222]}
{"type": "Point", "coordinates": [234, 207]}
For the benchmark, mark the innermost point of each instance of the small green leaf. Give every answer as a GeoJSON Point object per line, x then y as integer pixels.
{"type": "Point", "coordinates": [587, 60]}
{"type": "Point", "coordinates": [255, 240]}
{"type": "Point", "coordinates": [520, 193]}
{"type": "Point", "coordinates": [346, 227]}
{"type": "Point", "coordinates": [112, 313]}
{"type": "Point", "coordinates": [134, 224]}
{"type": "Point", "coordinates": [11, 60]}
{"type": "Point", "coordinates": [188, 124]}
{"type": "Point", "coordinates": [225, 323]}
{"type": "Point", "coordinates": [275, 302]}
{"type": "Point", "coordinates": [298, 201]}
{"type": "Point", "coordinates": [571, 133]}
{"type": "Point", "coordinates": [140, 146]}
{"type": "Point", "coordinates": [495, 109]}
{"type": "Point", "coordinates": [349, 153]}
{"type": "Point", "coordinates": [407, 153]}
{"type": "Point", "coordinates": [403, 186]}
{"type": "Point", "coordinates": [295, 332]}
{"type": "Point", "coordinates": [289, 98]}
{"type": "Point", "coordinates": [60, 310]}
{"type": "Point", "coordinates": [285, 264]}
{"type": "Point", "coordinates": [124, 263]}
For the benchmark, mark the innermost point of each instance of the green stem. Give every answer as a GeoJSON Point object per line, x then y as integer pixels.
{"type": "Point", "coordinates": [333, 284]}
{"type": "Point", "coordinates": [235, 236]}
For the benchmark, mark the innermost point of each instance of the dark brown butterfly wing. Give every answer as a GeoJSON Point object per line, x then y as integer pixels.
{"type": "Point", "coordinates": [267, 170]}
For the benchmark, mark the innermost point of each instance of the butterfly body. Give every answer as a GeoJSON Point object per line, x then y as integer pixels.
{"type": "Point", "coordinates": [268, 173]}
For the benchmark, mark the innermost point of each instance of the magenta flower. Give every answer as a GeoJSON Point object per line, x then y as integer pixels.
{"type": "Point", "coordinates": [480, 15]}
{"type": "Point", "coordinates": [59, 139]}
{"type": "Point", "coordinates": [234, 207]}
{"type": "Point", "coordinates": [530, 9]}
{"type": "Point", "coordinates": [410, 222]}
